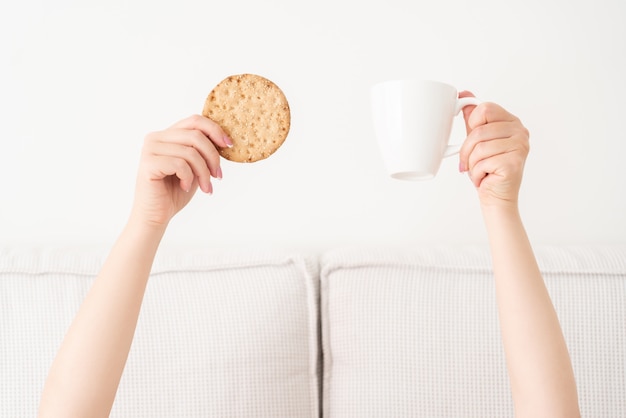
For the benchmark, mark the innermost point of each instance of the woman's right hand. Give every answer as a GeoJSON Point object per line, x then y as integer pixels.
{"type": "Point", "coordinates": [174, 163]}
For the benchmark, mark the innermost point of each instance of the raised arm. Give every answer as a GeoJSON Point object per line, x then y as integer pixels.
{"type": "Point", "coordinates": [85, 374]}
{"type": "Point", "coordinates": [538, 362]}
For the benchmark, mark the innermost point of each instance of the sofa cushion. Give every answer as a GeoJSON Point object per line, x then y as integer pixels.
{"type": "Point", "coordinates": [414, 332]}
{"type": "Point", "coordinates": [220, 333]}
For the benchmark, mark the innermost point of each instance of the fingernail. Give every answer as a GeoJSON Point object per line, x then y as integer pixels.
{"type": "Point", "coordinates": [218, 173]}
{"type": "Point", "coordinates": [210, 189]}
{"type": "Point", "coordinates": [228, 141]}
{"type": "Point", "coordinates": [462, 168]}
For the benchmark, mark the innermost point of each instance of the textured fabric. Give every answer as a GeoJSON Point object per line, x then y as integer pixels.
{"type": "Point", "coordinates": [406, 333]}
{"type": "Point", "coordinates": [414, 332]}
{"type": "Point", "coordinates": [220, 334]}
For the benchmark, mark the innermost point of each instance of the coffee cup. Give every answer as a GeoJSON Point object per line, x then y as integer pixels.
{"type": "Point", "coordinates": [412, 123]}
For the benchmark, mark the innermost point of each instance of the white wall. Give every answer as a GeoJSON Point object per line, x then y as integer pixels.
{"type": "Point", "coordinates": [80, 86]}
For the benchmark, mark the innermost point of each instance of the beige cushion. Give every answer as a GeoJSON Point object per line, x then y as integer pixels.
{"type": "Point", "coordinates": [221, 334]}
{"type": "Point", "coordinates": [414, 332]}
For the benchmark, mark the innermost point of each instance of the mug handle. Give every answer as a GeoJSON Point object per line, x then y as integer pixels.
{"type": "Point", "coordinates": [460, 104]}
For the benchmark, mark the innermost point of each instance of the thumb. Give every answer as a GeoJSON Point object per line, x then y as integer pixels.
{"type": "Point", "coordinates": [467, 110]}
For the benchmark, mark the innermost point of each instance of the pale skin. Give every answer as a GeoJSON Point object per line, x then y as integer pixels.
{"type": "Point", "coordinates": [538, 362]}
{"type": "Point", "coordinates": [85, 374]}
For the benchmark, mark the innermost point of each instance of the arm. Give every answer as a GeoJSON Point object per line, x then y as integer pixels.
{"type": "Point", "coordinates": [85, 374]}
{"type": "Point", "coordinates": [538, 362]}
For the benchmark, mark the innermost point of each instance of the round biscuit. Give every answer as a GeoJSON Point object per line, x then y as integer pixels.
{"type": "Point", "coordinates": [253, 112]}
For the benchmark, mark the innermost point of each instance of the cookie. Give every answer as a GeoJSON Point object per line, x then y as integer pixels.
{"type": "Point", "coordinates": [253, 112]}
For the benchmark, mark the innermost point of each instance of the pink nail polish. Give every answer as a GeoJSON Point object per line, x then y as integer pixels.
{"type": "Point", "coordinates": [462, 168]}
{"type": "Point", "coordinates": [218, 173]}
{"type": "Point", "coordinates": [228, 141]}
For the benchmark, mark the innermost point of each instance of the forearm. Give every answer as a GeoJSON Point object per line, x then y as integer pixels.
{"type": "Point", "coordinates": [85, 374]}
{"type": "Point", "coordinates": [542, 380]}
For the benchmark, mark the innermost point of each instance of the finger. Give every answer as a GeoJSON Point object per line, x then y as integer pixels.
{"type": "Point", "coordinates": [488, 132]}
{"type": "Point", "coordinates": [194, 139]}
{"type": "Point", "coordinates": [467, 110]}
{"type": "Point", "coordinates": [516, 142]}
{"type": "Point", "coordinates": [485, 167]}
{"type": "Point", "coordinates": [497, 165]}
{"type": "Point", "coordinates": [159, 167]}
{"type": "Point", "coordinates": [489, 149]}
{"type": "Point", "coordinates": [485, 114]}
{"type": "Point", "coordinates": [211, 129]}
{"type": "Point", "coordinates": [190, 155]}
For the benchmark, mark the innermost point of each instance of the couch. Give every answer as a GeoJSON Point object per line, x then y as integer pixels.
{"type": "Point", "coordinates": [344, 332]}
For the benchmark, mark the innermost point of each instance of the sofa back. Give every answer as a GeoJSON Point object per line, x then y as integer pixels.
{"type": "Point", "coordinates": [351, 332]}
{"type": "Point", "coordinates": [414, 333]}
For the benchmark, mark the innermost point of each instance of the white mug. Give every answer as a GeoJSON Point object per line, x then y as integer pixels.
{"type": "Point", "coordinates": [412, 122]}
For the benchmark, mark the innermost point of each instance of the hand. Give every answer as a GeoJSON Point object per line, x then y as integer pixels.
{"type": "Point", "coordinates": [494, 152]}
{"type": "Point", "coordinates": [174, 163]}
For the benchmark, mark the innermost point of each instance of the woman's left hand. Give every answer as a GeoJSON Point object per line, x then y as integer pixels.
{"type": "Point", "coordinates": [494, 152]}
